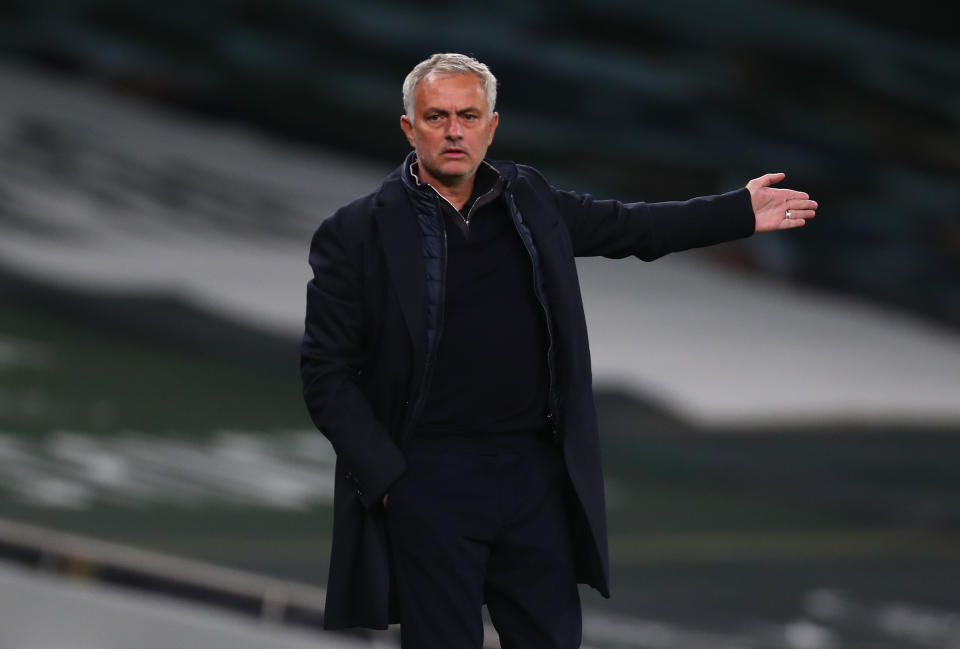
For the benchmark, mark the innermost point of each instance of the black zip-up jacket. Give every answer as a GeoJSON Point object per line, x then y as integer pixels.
{"type": "Point", "coordinates": [365, 349]}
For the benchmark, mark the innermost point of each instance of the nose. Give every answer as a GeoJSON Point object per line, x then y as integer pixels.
{"type": "Point", "coordinates": [454, 129]}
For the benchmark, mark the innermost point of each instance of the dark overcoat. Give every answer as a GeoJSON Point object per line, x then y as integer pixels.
{"type": "Point", "coordinates": [364, 351]}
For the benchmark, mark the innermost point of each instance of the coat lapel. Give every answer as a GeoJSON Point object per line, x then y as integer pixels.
{"type": "Point", "coordinates": [403, 250]}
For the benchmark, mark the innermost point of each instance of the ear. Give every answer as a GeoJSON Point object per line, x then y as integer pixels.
{"type": "Point", "coordinates": [407, 127]}
{"type": "Point", "coordinates": [494, 121]}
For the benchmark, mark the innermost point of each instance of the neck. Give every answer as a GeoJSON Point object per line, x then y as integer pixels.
{"type": "Point", "coordinates": [457, 189]}
{"type": "Point", "coordinates": [458, 195]}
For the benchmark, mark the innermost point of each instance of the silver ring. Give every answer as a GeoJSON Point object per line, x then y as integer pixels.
{"type": "Point", "coordinates": [788, 215]}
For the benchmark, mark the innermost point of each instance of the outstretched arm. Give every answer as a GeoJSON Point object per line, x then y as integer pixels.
{"type": "Point", "coordinates": [650, 230]}
{"type": "Point", "coordinates": [776, 208]}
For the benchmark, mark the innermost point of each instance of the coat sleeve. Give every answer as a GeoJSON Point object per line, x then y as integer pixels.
{"type": "Point", "coordinates": [331, 363]}
{"type": "Point", "coordinates": [651, 230]}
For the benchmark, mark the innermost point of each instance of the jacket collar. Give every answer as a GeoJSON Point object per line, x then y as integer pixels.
{"type": "Point", "coordinates": [405, 172]}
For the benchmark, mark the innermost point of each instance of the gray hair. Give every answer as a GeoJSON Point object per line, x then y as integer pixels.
{"type": "Point", "coordinates": [448, 64]}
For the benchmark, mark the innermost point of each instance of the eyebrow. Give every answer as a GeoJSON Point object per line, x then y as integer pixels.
{"type": "Point", "coordinates": [443, 111]}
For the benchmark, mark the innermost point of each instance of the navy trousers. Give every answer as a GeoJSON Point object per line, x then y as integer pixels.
{"type": "Point", "coordinates": [483, 520]}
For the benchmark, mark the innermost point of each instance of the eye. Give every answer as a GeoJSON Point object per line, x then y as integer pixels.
{"type": "Point", "coordinates": [435, 117]}
{"type": "Point", "coordinates": [471, 117]}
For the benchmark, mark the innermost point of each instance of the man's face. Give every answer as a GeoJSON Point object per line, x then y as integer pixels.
{"type": "Point", "coordinates": [452, 127]}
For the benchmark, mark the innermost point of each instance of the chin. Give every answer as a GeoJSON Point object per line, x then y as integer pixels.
{"type": "Point", "coordinates": [452, 171]}
{"type": "Point", "coordinates": [455, 171]}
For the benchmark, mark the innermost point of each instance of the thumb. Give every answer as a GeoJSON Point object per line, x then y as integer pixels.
{"type": "Point", "coordinates": [771, 179]}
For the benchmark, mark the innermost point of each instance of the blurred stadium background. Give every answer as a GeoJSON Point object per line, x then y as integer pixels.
{"type": "Point", "coordinates": [780, 416]}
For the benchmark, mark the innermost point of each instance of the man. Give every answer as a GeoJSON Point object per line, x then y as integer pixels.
{"type": "Point", "coordinates": [445, 357]}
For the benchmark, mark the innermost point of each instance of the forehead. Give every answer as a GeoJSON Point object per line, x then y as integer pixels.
{"type": "Point", "coordinates": [461, 90]}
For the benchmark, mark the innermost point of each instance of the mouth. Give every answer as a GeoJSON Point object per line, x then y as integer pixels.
{"type": "Point", "coordinates": [454, 152]}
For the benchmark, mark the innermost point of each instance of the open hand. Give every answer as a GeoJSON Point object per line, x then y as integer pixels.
{"type": "Point", "coordinates": [778, 209]}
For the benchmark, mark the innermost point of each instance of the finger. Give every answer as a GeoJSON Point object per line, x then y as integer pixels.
{"type": "Point", "coordinates": [800, 214]}
{"type": "Point", "coordinates": [791, 195]}
{"type": "Point", "coordinates": [801, 204]}
{"type": "Point", "coordinates": [786, 224]}
{"type": "Point", "coordinates": [771, 179]}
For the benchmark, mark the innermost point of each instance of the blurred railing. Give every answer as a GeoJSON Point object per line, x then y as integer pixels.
{"type": "Point", "coordinates": [109, 563]}
{"type": "Point", "coordinates": [272, 600]}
